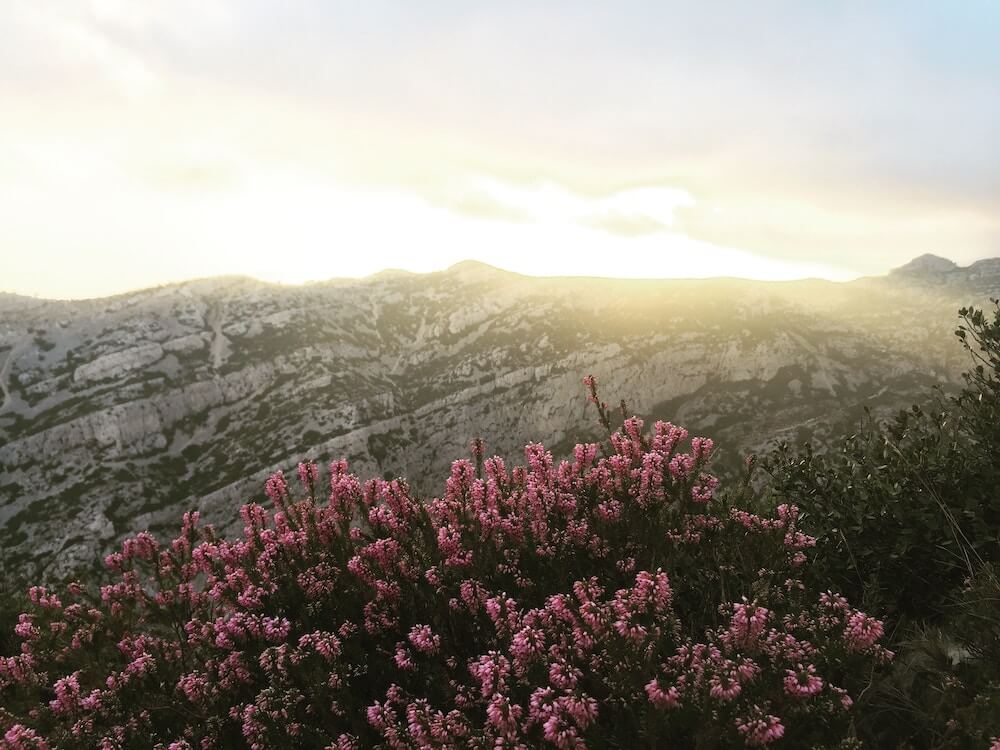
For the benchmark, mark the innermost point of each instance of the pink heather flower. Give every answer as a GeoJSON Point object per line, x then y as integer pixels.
{"type": "Point", "coordinates": [802, 682]}
{"type": "Point", "coordinates": [798, 540]}
{"type": "Point", "coordinates": [325, 644]}
{"type": "Point", "coordinates": [610, 511]}
{"type": "Point", "coordinates": [25, 628]}
{"type": "Point", "coordinates": [994, 743]}
{"type": "Point", "coordinates": [492, 558]}
{"type": "Point", "coordinates": [747, 670]}
{"type": "Point", "coordinates": [478, 449]}
{"type": "Point", "coordinates": [666, 437]}
{"type": "Point", "coordinates": [652, 590]}
{"type": "Point", "coordinates": [503, 715]}
{"type": "Point", "coordinates": [704, 489]}
{"type": "Point", "coordinates": [724, 687]}
{"type": "Point", "coordinates": [580, 707]}
{"type": "Point", "coordinates": [788, 513]}
{"type": "Point", "coordinates": [627, 565]}
{"type": "Point", "coordinates": [862, 631]}
{"type": "Point", "coordinates": [143, 547]}
{"type": "Point", "coordinates": [277, 489]}
{"type": "Point", "coordinates": [308, 476]}
{"type": "Point", "coordinates": [651, 479]}
{"type": "Point", "coordinates": [380, 717]}
{"type": "Point", "coordinates": [833, 601]}
{"type": "Point", "coordinates": [563, 675]}
{"type": "Point", "coordinates": [760, 729]}
{"type": "Point", "coordinates": [528, 643]}
{"type": "Point", "coordinates": [702, 448]}
{"type": "Point", "coordinates": [681, 466]}
{"type": "Point", "coordinates": [20, 737]}
{"type": "Point", "coordinates": [403, 659]}
{"type": "Point", "coordinates": [42, 598]}
{"type": "Point", "coordinates": [669, 698]}
{"type": "Point", "coordinates": [424, 639]}
{"type": "Point", "coordinates": [748, 622]}
{"type": "Point", "coordinates": [584, 455]}
{"type": "Point", "coordinates": [633, 428]}
{"type": "Point", "coordinates": [16, 669]}
{"type": "Point", "coordinates": [344, 742]}
{"type": "Point", "coordinates": [67, 692]}
{"type": "Point", "coordinates": [194, 686]}
{"type": "Point", "coordinates": [139, 666]}
{"type": "Point", "coordinates": [561, 733]}
{"type": "Point", "coordinates": [845, 700]}
{"type": "Point", "coordinates": [491, 670]}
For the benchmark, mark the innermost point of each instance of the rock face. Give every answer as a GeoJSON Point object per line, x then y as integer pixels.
{"type": "Point", "coordinates": [118, 414]}
{"type": "Point", "coordinates": [116, 365]}
{"type": "Point", "coordinates": [926, 266]}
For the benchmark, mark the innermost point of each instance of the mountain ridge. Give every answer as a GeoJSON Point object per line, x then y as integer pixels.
{"type": "Point", "coordinates": [119, 413]}
{"type": "Point", "coordinates": [926, 264]}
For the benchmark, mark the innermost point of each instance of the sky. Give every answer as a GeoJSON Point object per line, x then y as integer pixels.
{"type": "Point", "coordinates": [148, 142]}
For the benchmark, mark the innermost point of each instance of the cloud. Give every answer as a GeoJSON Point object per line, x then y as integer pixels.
{"type": "Point", "coordinates": [631, 212]}
{"type": "Point", "coordinates": [867, 239]}
{"type": "Point", "coordinates": [851, 138]}
{"type": "Point", "coordinates": [481, 205]}
{"type": "Point", "coordinates": [625, 225]}
{"type": "Point", "coordinates": [61, 42]}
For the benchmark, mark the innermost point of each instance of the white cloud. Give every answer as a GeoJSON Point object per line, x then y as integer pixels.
{"type": "Point", "coordinates": [550, 202]}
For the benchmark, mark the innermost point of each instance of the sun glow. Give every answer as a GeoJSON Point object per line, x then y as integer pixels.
{"type": "Point", "coordinates": [143, 143]}
{"type": "Point", "coordinates": [291, 231]}
{"type": "Point", "coordinates": [283, 226]}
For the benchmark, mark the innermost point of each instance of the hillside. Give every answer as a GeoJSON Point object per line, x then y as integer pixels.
{"type": "Point", "coordinates": [119, 413]}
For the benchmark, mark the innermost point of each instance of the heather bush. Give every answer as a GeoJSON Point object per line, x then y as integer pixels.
{"type": "Point", "coordinates": [613, 599]}
{"type": "Point", "coordinates": [907, 510]}
{"type": "Point", "coordinates": [943, 689]}
{"type": "Point", "coordinates": [907, 516]}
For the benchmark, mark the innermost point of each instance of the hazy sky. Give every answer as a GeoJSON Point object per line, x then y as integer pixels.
{"type": "Point", "coordinates": [145, 141]}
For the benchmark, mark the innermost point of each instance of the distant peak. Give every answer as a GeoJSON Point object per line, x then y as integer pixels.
{"type": "Point", "coordinates": [926, 265]}
{"type": "Point", "coordinates": [476, 271]}
{"type": "Point", "coordinates": [476, 266]}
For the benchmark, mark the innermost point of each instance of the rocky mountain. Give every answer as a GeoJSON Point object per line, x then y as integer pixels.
{"type": "Point", "coordinates": [117, 414]}
{"type": "Point", "coordinates": [934, 271]}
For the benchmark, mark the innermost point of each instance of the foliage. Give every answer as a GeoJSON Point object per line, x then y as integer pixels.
{"type": "Point", "coordinates": [906, 511]}
{"type": "Point", "coordinates": [943, 690]}
{"type": "Point", "coordinates": [610, 600]}
{"type": "Point", "coordinates": [615, 599]}
{"type": "Point", "coordinates": [907, 517]}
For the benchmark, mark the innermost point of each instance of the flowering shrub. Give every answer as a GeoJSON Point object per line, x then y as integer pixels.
{"type": "Point", "coordinates": [907, 509]}
{"type": "Point", "coordinates": [609, 600]}
{"type": "Point", "coordinates": [907, 515]}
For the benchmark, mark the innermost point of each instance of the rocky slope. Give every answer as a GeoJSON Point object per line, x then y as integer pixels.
{"type": "Point", "coordinates": [119, 413]}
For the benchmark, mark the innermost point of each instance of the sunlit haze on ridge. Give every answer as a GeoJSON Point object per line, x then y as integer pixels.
{"type": "Point", "coordinates": [148, 142]}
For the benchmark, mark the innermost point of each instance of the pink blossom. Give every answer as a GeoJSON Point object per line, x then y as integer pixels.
{"type": "Point", "coordinates": [760, 729]}
{"type": "Point", "coordinates": [20, 737]}
{"type": "Point", "coordinates": [424, 639]}
{"type": "Point", "coordinates": [669, 698]}
{"type": "Point", "coordinates": [484, 617]}
{"type": "Point", "coordinates": [802, 682]}
{"type": "Point", "coordinates": [862, 631]}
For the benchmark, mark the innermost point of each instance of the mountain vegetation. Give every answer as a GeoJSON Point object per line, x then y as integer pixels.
{"type": "Point", "coordinates": [605, 600]}
{"type": "Point", "coordinates": [118, 414]}
{"type": "Point", "coordinates": [841, 592]}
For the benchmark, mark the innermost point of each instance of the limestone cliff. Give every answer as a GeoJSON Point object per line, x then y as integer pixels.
{"type": "Point", "coordinates": [118, 414]}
